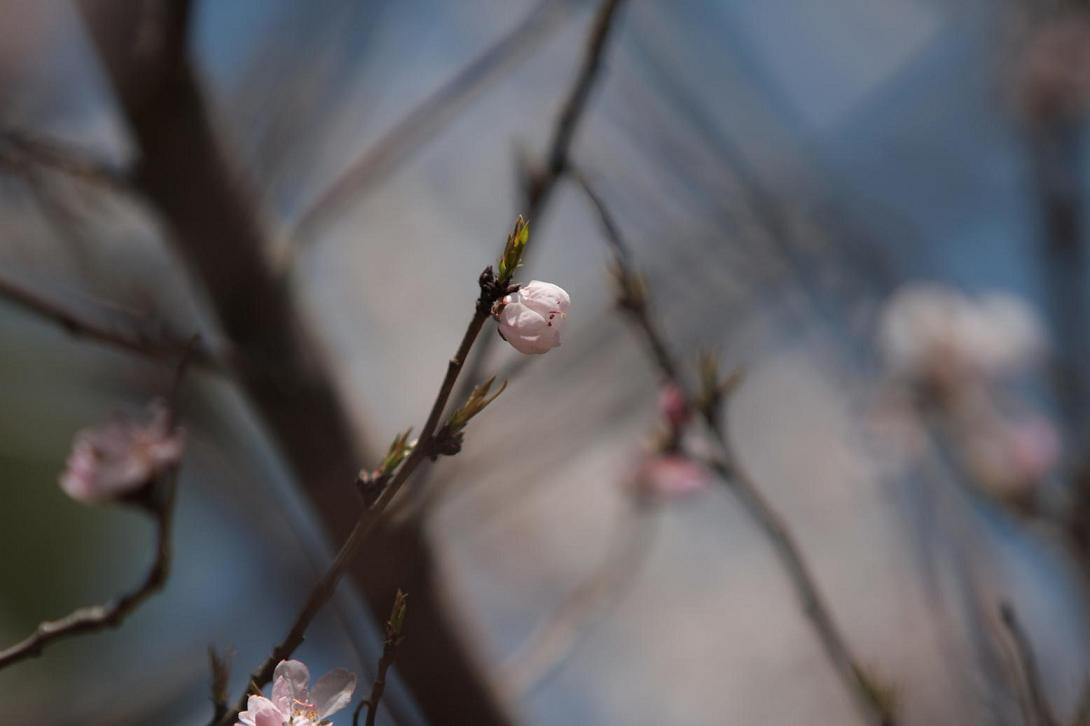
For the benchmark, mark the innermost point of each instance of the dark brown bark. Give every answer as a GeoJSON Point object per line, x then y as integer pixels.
{"type": "Point", "coordinates": [213, 224]}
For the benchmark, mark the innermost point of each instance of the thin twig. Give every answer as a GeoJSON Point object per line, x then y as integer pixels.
{"type": "Point", "coordinates": [1042, 712]}
{"type": "Point", "coordinates": [633, 301]}
{"type": "Point", "coordinates": [539, 183]}
{"type": "Point", "coordinates": [556, 637]}
{"type": "Point", "coordinates": [427, 118]}
{"type": "Point", "coordinates": [394, 635]}
{"type": "Point", "coordinates": [162, 350]}
{"type": "Point", "coordinates": [109, 615]}
{"type": "Point", "coordinates": [370, 516]}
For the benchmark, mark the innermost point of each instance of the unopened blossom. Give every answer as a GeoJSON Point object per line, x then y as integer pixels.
{"type": "Point", "coordinates": [293, 703]}
{"type": "Point", "coordinates": [532, 318]}
{"type": "Point", "coordinates": [936, 334]}
{"type": "Point", "coordinates": [671, 475]}
{"type": "Point", "coordinates": [673, 407]}
{"type": "Point", "coordinates": [121, 455]}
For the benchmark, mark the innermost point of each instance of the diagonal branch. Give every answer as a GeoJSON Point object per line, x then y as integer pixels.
{"type": "Point", "coordinates": [161, 350]}
{"type": "Point", "coordinates": [1038, 705]}
{"type": "Point", "coordinates": [633, 301]}
{"type": "Point", "coordinates": [429, 117]}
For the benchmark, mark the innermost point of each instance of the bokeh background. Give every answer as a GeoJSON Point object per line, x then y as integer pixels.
{"type": "Point", "coordinates": [779, 169]}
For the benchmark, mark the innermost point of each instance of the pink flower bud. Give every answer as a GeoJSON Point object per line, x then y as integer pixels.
{"type": "Point", "coordinates": [670, 476]}
{"type": "Point", "coordinates": [673, 407]}
{"type": "Point", "coordinates": [532, 318]}
{"type": "Point", "coordinates": [120, 456]}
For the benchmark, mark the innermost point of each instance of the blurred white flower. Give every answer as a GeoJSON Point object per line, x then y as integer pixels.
{"type": "Point", "coordinates": [293, 703]}
{"type": "Point", "coordinates": [121, 455]}
{"type": "Point", "coordinates": [937, 334]}
{"type": "Point", "coordinates": [532, 318]}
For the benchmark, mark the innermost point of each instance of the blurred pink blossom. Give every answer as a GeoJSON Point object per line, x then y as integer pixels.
{"type": "Point", "coordinates": [293, 703]}
{"type": "Point", "coordinates": [121, 455]}
{"type": "Point", "coordinates": [532, 318]}
{"type": "Point", "coordinates": [1011, 461]}
{"type": "Point", "coordinates": [671, 475]}
{"type": "Point", "coordinates": [673, 407]}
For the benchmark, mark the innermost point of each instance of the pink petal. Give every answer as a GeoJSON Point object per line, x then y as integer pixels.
{"type": "Point", "coordinates": [333, 691]}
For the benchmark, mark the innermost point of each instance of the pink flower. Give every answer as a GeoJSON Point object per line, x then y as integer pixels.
{"type": "Point", "coordinates": [1014, 458]}
{"type": "Point", "coordinates": [532, 318]}
{"type": "Point", "coordinates": [673, 407]}
{"type": "Point", "coordinates": [671, 475]}
{"type": "Point", "coordinates": [121, 456]}
{"type": "Point", "coordinates": [293, 704]}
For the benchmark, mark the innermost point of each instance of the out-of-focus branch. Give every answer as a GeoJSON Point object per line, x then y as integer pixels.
{"type": "Point", "coordinates": [395, 626]}
{"type": "Point", "coordinates": [1041, 712]}
{"type": "Point", "coordinates": [213, 223]}
{"type": "Point", "coordinates": [428, 118]}
{"type": "Point", "coordinates": [112, 614]}
{"type": "Point", "coordinates": [161, 350]}
{"type": "Point", "coordinates": [556, 637]}
{"type": "Point", "coordinates": [22, 151]}
{"type": "Point", "coordinates": [633, 300]}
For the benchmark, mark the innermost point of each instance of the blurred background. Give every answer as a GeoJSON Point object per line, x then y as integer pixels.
{"type": "Point", "coordinates": [872, 208]}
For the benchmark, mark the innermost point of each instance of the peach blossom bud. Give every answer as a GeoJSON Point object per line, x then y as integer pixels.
{"type": "Point", "coordinates": [532, 318]}
{"type": "Point", "coordinates": [673, 407]}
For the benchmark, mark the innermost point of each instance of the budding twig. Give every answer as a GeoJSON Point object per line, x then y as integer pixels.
{"type": "Point", "coordinates": [395, 626]}
{"type": "Point", "coordinates": [323, 590]}
{"type": "Point", "coordinates": [633, 301]}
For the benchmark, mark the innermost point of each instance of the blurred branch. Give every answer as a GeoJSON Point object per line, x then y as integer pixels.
{"type": "Point", "coordinates": [426, 119]}
{"type": "Point", "coordinates": [428, 445]}
{"type": "Point", "coordinates": [162, 350]}
{"type": "Point", "coordinates": [395, 625]}
{"type": "Point", "coordinates": [20, 151]}
{"type": "Point", "coordinates": [556, 637]}
{"type": "Point", "coordinates": [633, 300]}
{"type": "Point", "coordinates": [218, 686]}
{"type": "Point", "coordinates": [110, 615]}
{"type": "Point", "coordinates": [1042, 713]}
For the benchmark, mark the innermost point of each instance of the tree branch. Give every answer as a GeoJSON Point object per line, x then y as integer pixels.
{"type": "Point", "coordinates": [425, 448]}
{"type": "Point", "coordinates": [20, 150]}
{"type": "Point", "coordinates": [1038, 704]}
{"type": "Point", "coordinates": [394, 629]}
{"type": "Point", "coordinates": [634, 302]}
{"type": "Point", "coordinates": [160, 350]}
{"type": "Point", "coordinates": [109, 615]}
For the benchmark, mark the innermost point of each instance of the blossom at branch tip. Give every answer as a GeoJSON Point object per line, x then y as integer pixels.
{"type": "Point", "coordinates": [671, 475]}
{"type": "Point", "coordinates": [121, 456]}
{"type": "Point", "coordinates": [293, 703]}
{"type": "Point", "coordinates": [532, 318]}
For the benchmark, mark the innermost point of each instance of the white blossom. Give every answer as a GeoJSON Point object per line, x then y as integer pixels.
{"type": "Point", "coordinates": [293, 703]}
{"type": "Point", "coordinates": [532, 318]}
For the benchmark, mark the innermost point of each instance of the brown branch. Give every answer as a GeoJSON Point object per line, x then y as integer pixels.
{"type": "Point", "coordinates": [109, 615]}
{"type": "Point", "coordinates": [633, 301]}
{"type": "Point", "coordinates": [161, 350]}
{"type": "Point", "coordinates": [394, 635]}
{"type": "Point", "coordinates": [428, 117]}
{"type": "Point", "coordinates": [1038, 703]}
{"type": "Point", "coordinates": [425, 447]}
{"type": "Point", "coordinates": [539, 183]}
